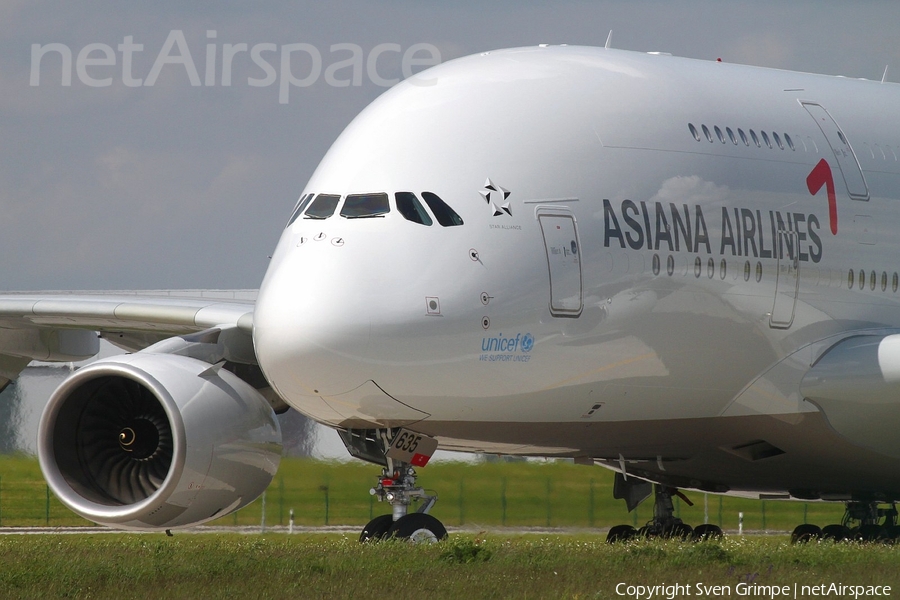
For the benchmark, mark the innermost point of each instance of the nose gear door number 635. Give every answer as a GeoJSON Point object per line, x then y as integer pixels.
{"type": "Point", "coordinates": [413, 448]}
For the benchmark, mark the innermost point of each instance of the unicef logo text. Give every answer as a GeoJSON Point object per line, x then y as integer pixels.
{"type": "Point", "coordinates": [501, 348]}
{"type": "Point", "coordinates": [520, 343]}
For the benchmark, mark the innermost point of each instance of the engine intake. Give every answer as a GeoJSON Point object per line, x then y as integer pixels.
{"type": "Point", "coordinates": [156, 441]}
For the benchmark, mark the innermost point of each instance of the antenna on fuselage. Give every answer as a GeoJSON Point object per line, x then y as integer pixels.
{"type": "Point", "coordinates": [884, 77]}
{"type": "Point", "coordinates": [608, 39]}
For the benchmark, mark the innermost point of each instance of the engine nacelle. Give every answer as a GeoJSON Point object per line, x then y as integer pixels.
{"type": "Point", "coordinates": [157, 441]}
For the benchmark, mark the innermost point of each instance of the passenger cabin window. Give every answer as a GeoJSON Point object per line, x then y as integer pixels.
{"type": "Point", "coordinates": [777, 140]}
{"type": "Point", "coordinates": [365, 206]}
{"type": "Point", "coordinates": [755, 139]}
{"type": "Point", "coordinates": [445, 215]}
{"type": "Point", "coordinates": [719, 134]}
{"type": "Point", "coordinates": [411, 209]}
{"type": "Point", "coordinates": [322, 207]}
{"type": "Point", "coordinates": [300, 206]}
{"type": "Point", "coordinates": [694, 131]}
{"type": "Point", "coordinates": [731, 135]}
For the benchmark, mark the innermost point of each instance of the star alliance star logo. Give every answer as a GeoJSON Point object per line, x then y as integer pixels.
{"type": "Point", "coordinates": [496, 197]}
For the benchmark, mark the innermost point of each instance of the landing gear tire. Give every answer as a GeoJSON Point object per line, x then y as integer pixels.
{"type": "Point", "coordinates": [376, 529]}
{"type": "Point", "coordinates": [621, 533]}
{"type": "Point", "coordinates": [806, 533]}
{"type": "Point", "coordinates": [872, 533]}
{"type": "Point", "coordinates": [837, 533]}
{"type": "Point", "coordinates": [893, 532]}
{"type": "Point", "coordinates": [418, 528]}
{"type": "Point", "coordinates": [705, 532]}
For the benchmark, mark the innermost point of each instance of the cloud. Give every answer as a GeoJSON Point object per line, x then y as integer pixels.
{"type": "Point", "coordinates": [692, 190]}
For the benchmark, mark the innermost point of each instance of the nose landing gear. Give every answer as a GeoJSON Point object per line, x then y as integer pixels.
{"type": "Point", "coordinates": [397, 487]}
{"type": "Point", "coordinates": [397, 484]}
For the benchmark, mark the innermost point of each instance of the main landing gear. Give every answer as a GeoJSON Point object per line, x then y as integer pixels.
{"type": "Point", "coordinates": [862, 522]}
{"type": "Point", "coordinates": [397, 485]}
{"type": "Point", "coordinates": [664, 523]}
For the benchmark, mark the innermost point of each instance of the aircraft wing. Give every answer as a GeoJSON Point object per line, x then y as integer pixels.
{"type": "Point", "coordinates": [67, 326]}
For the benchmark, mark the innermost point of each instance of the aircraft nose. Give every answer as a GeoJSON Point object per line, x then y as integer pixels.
{"type": "Point", "coordinates": [311, 330]}
{"type": "Point", "coordinates": [334, 324]}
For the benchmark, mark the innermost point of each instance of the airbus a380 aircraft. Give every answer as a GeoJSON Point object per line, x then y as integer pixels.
{"type": "Point", "coordinates": [682, 270]}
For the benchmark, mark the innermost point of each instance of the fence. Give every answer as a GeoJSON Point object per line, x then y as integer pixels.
{"type": "Point", "coordinates": [31, 504]}
{"type": "Point", "coordinates": [553, 494]}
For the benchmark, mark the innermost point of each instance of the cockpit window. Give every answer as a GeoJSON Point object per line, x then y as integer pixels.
{"type": "Point", "coordinates": [411, 209]}
{"type": "Point", "coordinates": [445, 215]}
{"type": "Point", "coordinates": [322, 207]}
{"type": "Point", "coordinates": [361, 206]}
{"type": "Point", "coordinates": [300, 206]}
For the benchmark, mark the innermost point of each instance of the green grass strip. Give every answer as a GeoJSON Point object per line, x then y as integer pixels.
{"type": "Point", "coordinates": [497, 566]}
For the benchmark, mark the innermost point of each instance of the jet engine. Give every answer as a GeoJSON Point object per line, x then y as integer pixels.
{"type": "Point", "coordinates": [157, 441]}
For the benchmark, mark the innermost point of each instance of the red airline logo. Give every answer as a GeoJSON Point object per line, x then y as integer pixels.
{"type": "Point", "coordinates": [819, 176]}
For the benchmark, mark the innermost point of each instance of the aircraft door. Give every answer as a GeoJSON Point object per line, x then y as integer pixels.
{"type": "Point", "coordinates": [843, 152]}
{"type": "Point", "coordinates": [787, 280]}
{"type": "Point", "coordinates": [563, 252]}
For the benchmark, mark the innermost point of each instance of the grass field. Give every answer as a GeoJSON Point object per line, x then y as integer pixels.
{"type": "Point", "coordinates": [520, 494]}
{"type": "Point", "coordinates": [332, 566]}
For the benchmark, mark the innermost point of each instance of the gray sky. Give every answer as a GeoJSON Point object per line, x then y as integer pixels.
{"type": "Point", "coordinates": [181, 186]}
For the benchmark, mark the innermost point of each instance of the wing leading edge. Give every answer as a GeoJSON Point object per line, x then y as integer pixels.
{"type": "Point", "coordinates": [50, 326]}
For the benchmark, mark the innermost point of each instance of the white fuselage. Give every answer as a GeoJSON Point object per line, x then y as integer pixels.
{"type": "Point", "coordinates": [619, 289]}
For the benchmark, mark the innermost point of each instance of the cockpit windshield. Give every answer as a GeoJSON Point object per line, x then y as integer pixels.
{"type": "Point", "coordinates": [322, 207]}
{"type": "Point", "coordinates": [445, 215]}
{"type": "Point", "coordinates": [411, 209]}
{"type": "Point", "coordinates": [300, 206]}
{"type": "Point", "coordinates": [361, 206]}
{"type": "Point", "coordinates": [378, 204]}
